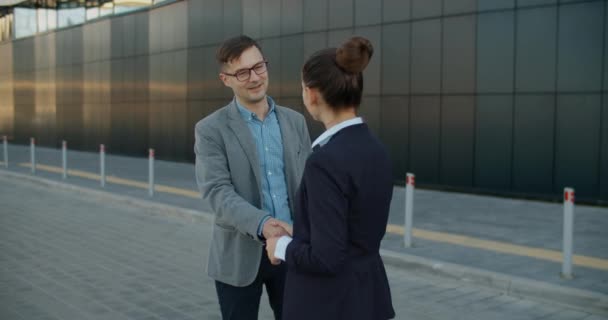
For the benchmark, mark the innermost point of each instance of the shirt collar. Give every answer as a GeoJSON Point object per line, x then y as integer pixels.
{"type": "Point", "coordinates": [247, 115]}
{"type": "Point", "coordinates": [324, 138]}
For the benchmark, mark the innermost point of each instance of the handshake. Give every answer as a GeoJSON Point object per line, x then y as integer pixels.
{"type": "Point", "coordinates": [272, 230]}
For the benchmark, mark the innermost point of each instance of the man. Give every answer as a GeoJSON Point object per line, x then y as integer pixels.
{"type": "Point", "coordinates": [250, 156]}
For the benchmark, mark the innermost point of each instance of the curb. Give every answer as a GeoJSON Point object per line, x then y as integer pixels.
{"type": "Point", "coordinates": [148, 205]}
{"type": "Point", "coordinates": [514, 286]}
{"type": "Point", "coordinates": [583, 300]}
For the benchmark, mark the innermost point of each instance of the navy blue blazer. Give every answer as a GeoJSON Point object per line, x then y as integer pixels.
{"type": "Point", "coordinates": [341, 211]}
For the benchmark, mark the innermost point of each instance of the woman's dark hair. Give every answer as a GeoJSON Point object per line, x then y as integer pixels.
{"type": "Point", "coordinates": [232, 48]}
{"type": "Point", "coordinates": [337, 73]}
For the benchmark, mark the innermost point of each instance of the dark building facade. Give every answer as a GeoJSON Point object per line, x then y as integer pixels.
{"type": "Point", "coordinates": [499, 96]}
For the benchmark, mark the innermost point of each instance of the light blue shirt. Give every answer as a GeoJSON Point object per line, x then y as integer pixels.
{"type": "Point", "coordinates": [269, 146]}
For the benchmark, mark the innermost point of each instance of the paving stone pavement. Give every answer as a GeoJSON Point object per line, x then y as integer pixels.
{"type": "Point", "coordinates": [65, 256]}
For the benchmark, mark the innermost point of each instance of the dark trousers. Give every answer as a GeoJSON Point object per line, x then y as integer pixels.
{"type": "Point", "coordinates": [243, 303]}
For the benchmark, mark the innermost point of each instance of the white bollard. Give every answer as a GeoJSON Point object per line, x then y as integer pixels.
{"type": "Point", "coordinates": [33, 155]}
{"type": "Point", "coordinates": [568, 232]}
{"type": "Point", "coordinates": [64, 158]}
{"type": "Point", "coordinates": [5, 143]}
{"type": "Point", "coordinates": [102, 165]}
{"type": "Point", "coordinates": [151, 173]}
{"type": "Point", "coordinates": [409, 208]}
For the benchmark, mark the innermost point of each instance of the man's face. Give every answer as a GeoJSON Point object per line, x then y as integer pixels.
{"type": "Point", "coordinates": [252, 90]}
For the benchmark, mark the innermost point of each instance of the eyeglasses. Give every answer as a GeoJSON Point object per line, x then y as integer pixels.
{"type": "Point", "coordinates": [244, 74]}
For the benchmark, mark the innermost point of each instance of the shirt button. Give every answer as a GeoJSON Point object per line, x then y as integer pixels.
{"type": "Point", "coordinates": [266, 149]}
{"type": "Point", "coordinates": [269, 173]}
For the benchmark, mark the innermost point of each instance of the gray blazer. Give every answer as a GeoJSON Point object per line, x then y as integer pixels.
{"type": "Point", "coordinates": [228, 176]}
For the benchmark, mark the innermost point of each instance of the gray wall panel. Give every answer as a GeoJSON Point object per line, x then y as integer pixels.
{"type": "Point", "coordinates": [580, 47]}
{"type": "Point", "coordinates": [396, 10]}
{"type": "Point", "coordinates": [495, 4]}
{"type": "Point", "coordinates": [426, 8]}
{"type": "Point", "coordinates": [291, 16]}
{"type": "Point", "coordinates": [394, 132]}
{"type": "Point", "coordinates": [536, 49]}
{"type": "Point", "coordinates": [495, 52]}
{"type": "Point", "coordinates": [493, 142]}
{"type": "Point", "coordinates": [604, 151]}
{"type": "Point", "coordinates": [459, 6]}
{"type": "Point", "coordinates": [425, 138]}
{"type": "Point", "coordinates": [426, 56]}
{"type": "Point", "coordinates": [340, 13]}
{"type": "Point", "coordinates": [459, 55]}
{"type": "Point", "coordinates": [370, 112]}
{"type": "Point", "coordinates": [313, 42]}
{"type": "Point", "coordinates": [533, 143]}
{"type": "Point", "coordinates": [371, 74]}
{"type": "Point", "coordinates": [315, 15]}
{"type": "Point", "coordinates": [527, 3]}
{"type": "Point", "coordinates": [396, 58]}
{"type": "Point", "coordinates": [367, 12]}
{"type": "Point", "coordinates": [233, 18]}
{"type": "Point", "coordinates": [457, 140]}
{"type": "Point", "coordinates": [252, 20]}
{"type": "Point", "coordinates": [129, 36]}
{"type": "Point", "coordinates": [291, 66]}
{"type": "Point", "coordinates": [272, 53]}
{"type": "Point", "coordinates": [577, 143]}
{"type": "Point", "coordinates": [271, 18]}
{"type": "Point", "coordinates": [336, 38]}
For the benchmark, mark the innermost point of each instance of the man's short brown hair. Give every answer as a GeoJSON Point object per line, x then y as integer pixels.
{"type": "Point", "coordinates": [232, 48]}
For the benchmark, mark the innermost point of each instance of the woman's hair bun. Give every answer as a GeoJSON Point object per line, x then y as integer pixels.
{"type": "Point", "coordinates": [354, 55]}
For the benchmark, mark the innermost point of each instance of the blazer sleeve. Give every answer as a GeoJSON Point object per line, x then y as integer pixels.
{"type": "Point", "coordinates": [327, 207]}
{"type": "Point", "coordinates": [215, 184]}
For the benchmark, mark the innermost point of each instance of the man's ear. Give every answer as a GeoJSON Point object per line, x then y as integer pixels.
{"type": "Point", "coordinates": [224, 79]}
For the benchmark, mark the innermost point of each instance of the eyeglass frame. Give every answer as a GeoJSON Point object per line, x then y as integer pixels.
{"type": "Point", "coordinates": [265, 62]}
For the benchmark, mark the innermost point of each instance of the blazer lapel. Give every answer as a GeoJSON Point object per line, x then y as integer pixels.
{"type": "Point", "coordinates": [243, 135]}
{"type": "Point", "coordinates": [291, 149]}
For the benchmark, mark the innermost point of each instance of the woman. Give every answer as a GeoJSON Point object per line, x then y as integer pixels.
{"type": "Point", "coordinates": [341, 208]}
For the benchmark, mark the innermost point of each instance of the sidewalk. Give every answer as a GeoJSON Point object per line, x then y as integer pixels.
{"type": "Point", "coordinates": [513, 244]}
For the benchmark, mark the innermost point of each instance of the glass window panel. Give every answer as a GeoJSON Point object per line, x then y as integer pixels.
{"type": "Point", "coordinates": [51, 19]}
{"type": "Point", "coordinates": [25, 22]}
{"type": "Point", "coordinates": [42, 18]}
{"type": "Point", "coordinates": [70, 17]}
{"type": "Point", "coordinates": [92, 13]}
{"type": "Point", "coordinates": [580, 51]}
{"type": "Point", "coordinates": [495, 56]}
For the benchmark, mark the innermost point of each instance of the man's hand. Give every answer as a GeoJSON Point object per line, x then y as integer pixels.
{"type": "Point", "coordinates": [274, 228]}
{"type": "Point", "coordinates": [286, 226]}
{"type": "Point", "coordinates": [271, 245]}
